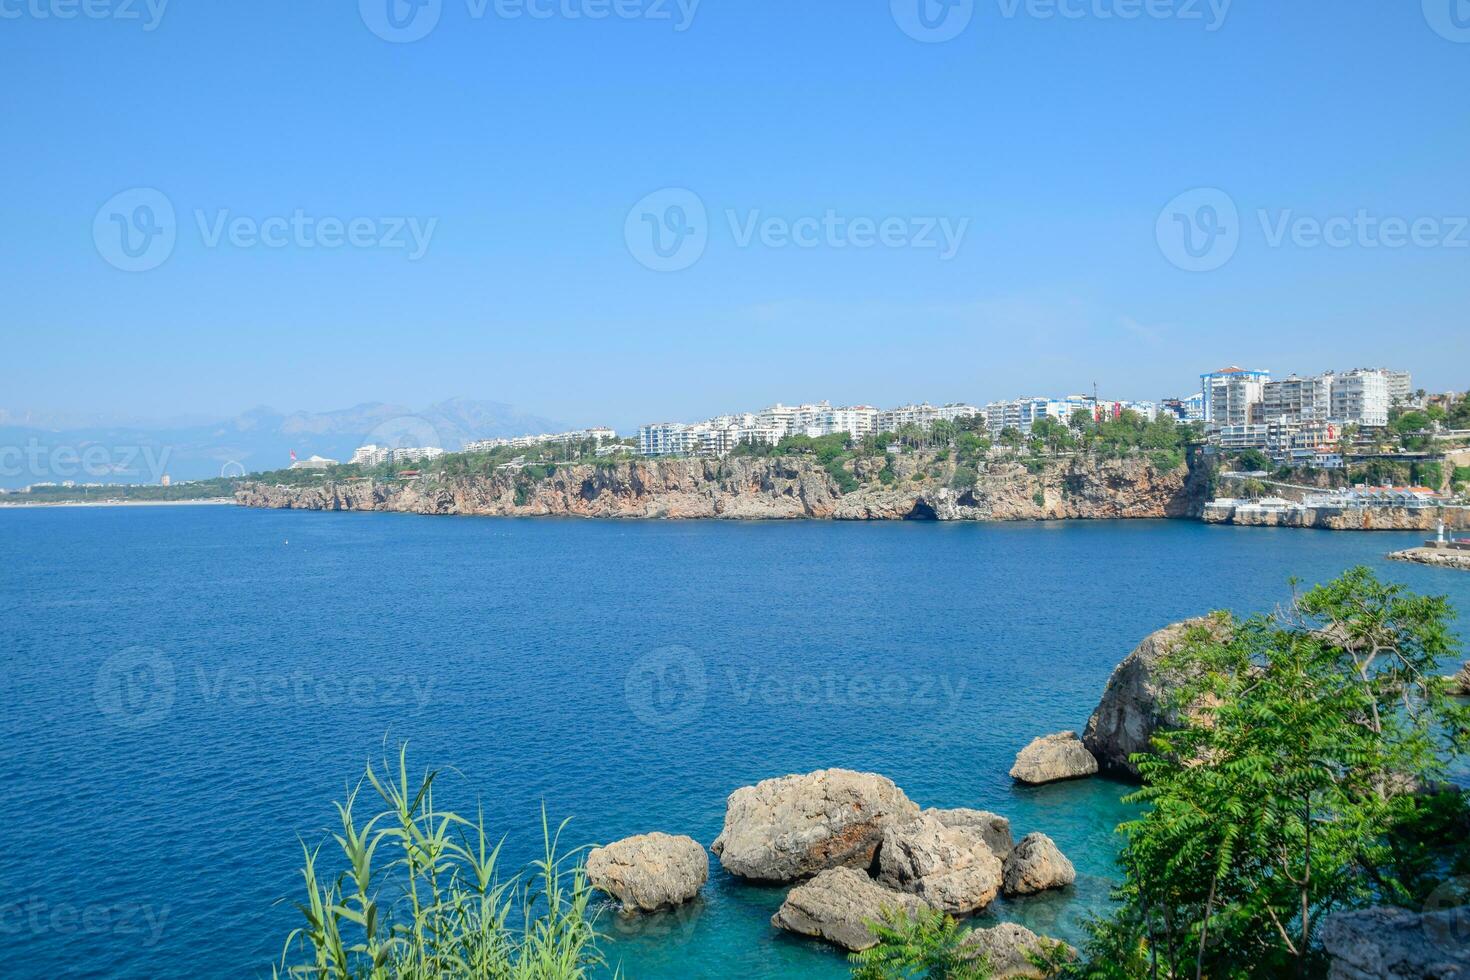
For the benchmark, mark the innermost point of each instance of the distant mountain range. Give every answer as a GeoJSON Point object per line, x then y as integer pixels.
{"type": "Point", "coordinates": [37, 448]}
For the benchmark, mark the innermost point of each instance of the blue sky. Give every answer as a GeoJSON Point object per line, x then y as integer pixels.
{"type": "Point", "coordinates": [521, 144]}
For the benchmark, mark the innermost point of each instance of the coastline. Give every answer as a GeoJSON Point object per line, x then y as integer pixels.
{"type": "Point", "coordinates": [205, 502]}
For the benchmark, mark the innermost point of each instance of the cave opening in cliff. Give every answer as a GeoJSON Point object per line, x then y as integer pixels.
{"type": "Point", "coordinates": [921, 512]}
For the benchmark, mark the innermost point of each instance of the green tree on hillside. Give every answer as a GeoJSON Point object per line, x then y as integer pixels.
{"type": "Point", "coordinates": [1286, 795]}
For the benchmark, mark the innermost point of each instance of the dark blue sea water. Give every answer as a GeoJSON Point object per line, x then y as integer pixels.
{"type": "Point", "coordinates": [186, 690]}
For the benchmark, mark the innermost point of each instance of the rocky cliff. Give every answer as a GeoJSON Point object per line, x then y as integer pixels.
{"type": "Point", "coordinates": [771, 488]}
{"type": "Point", "coordinates": [1338, 518]}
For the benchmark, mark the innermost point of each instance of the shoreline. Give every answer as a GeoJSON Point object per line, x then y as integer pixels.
{"type": "Point", "coordinates": [205, 502]}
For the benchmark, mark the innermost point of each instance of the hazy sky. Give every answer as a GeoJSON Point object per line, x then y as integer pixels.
{"type": "Point", "coordinates": [982, 216]}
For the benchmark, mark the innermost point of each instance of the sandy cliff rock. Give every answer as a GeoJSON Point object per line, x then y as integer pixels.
{"type": "Point", "coordinates": [1134, 704]}
{"type": "Point", "coordinates": [795, 826]}
{"type": "Point", "coordinates": [650, 871]}
{"type": "Point", "coordinates": [775, 488]}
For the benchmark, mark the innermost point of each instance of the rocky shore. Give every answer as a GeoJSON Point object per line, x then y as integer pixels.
{"type": "Point", "coordinates": [1439, 557]}
{"type": "Point", "coordinates": [771, 488]}
{"type": "Point", "coordinates": [1332, 518]}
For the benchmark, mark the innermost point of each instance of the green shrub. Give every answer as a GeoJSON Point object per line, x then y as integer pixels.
{"type": "Point", "coordinates": [419, 897]}
{"type": "Point", "coordinates": [964, 478]}
{"type": "Point", "coordinates": [846, 482]}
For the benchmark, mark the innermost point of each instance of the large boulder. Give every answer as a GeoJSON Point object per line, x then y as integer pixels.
{"type": "Point", "coordinates": [1052, 758]}
{"type": "Point", "coordinates": [994, 828]}
{"type": "Point", "coordinates": [1397, 944]}
{"type": "Point", "coordinates": [950, 868]}
{"type": "Point", "coordinates": [650, 871]}
{"type": "Point", "coordinates": [837, 906]}
{"type": "Point", "coordinates": [1035, 865]}
{"type": "Point", "coordinates": [1135, 703]}
{"type": "Point", "coordinates": [1460, 682]}
{"type": "Point", "coordinates": [1008, 947]}
{"type": "Point", "coordinates": [795, 826]}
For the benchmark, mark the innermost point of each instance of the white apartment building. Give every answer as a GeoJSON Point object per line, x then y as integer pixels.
{"type": "Point", "coordinates": [1022, 413]}
{"type": "Point", "coordinates": [598, 434]}
{"type": "Point", "coordinates": [1231, 394]}
{"type": "Point", "coordinates": [1361, 398]}
{"type": "Point", "coordinates": [924, 415]}
{"type": "Point", "coordinates": [371, 455]}
{"type": "Point", "coordinates": [1298, 399]}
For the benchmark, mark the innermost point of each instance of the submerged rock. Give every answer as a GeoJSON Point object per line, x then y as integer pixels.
{"type": "Point", "coordinates": [1052, 758]}
{"type": "Point", "coordinates": [1036, 865]}
{"type": "Point", "coordinates": [1135, 702]}
{"type": "Point", "coordinates": [1397, 944]}
{"type": "Point", "coordinates": [650, 871]}
{"type": "Point", "coordinates": [796, 826]}
{"type": "Point", "coordinates": [950, 868]}
{"type": "Point", "coordinates": [1007, 948]}
{"type": "Point", "coordinates": [995, 829]}
{"type": "Point", "coordinates": [838, 904]}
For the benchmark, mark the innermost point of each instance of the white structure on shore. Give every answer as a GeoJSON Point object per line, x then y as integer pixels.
{"type": "Point", "coordinates": [1022, 413]}
{"type": "Point", "coordinates": [375, 455]}
{"type": "Point", "coordinates": [599, 434]}
{"type": "Point", "coordinates": [720, 435]}
{"type": "Point", "coordinates": [1247, 410]}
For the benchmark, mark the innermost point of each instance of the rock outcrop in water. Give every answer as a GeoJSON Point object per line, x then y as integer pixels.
{"type": "Point", "coordinates": [650, 871]}
{"type": "Point", "coordinates": [1052, 758]}
{"type": "Point", "coordinates": [950, 867]}
{"type": "Point", "coordinates": [1035, 865]}
{"type": "Point", "coordinates": [838, 904]}
{"type": "Point", "coordinates": [994, 829]}
{"type": "Point", "coordinates": [1135, 703]}
{"type": "Point", "coordinates": [767, 488]}
{"type": "Point", "coordinates": [1397, 944]}
{"type": "Point", "coordinates": [796, 826]}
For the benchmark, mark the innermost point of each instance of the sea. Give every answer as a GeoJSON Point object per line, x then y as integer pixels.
{"type": "Point", "coordinates": [187, 690]}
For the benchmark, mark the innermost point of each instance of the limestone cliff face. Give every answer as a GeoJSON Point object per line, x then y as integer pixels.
{"type": "Point", "coordinates": [778, 488]}
{"type": "Point", "coordinates": [1340, 518]}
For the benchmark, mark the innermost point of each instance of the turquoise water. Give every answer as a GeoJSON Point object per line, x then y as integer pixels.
{"type": "Point", "coordinates": [186, 690]}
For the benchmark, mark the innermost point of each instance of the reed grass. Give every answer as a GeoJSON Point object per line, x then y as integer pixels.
{"type": "Point", "coordinates": [420, 896]}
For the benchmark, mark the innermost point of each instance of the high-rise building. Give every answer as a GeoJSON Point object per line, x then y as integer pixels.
{"type": "Point", "coordinates": [1361, 398]}
{"type": "Point", "coordinates": [1231, 396]}
{"type": "Point", "coordinates": [1297, 399]}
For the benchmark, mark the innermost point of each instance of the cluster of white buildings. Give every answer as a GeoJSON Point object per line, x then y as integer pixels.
{"type": "Point", "coordinates": [1297, 419]}
{"type": "Point", "coordinates": [374, 455]}
{"type": "Point", "coordinates": [719, 435]}
{"type": "Point", "coordinates": [1023, 413]}
{"type": "Point", "coordinates": [598, 434]}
